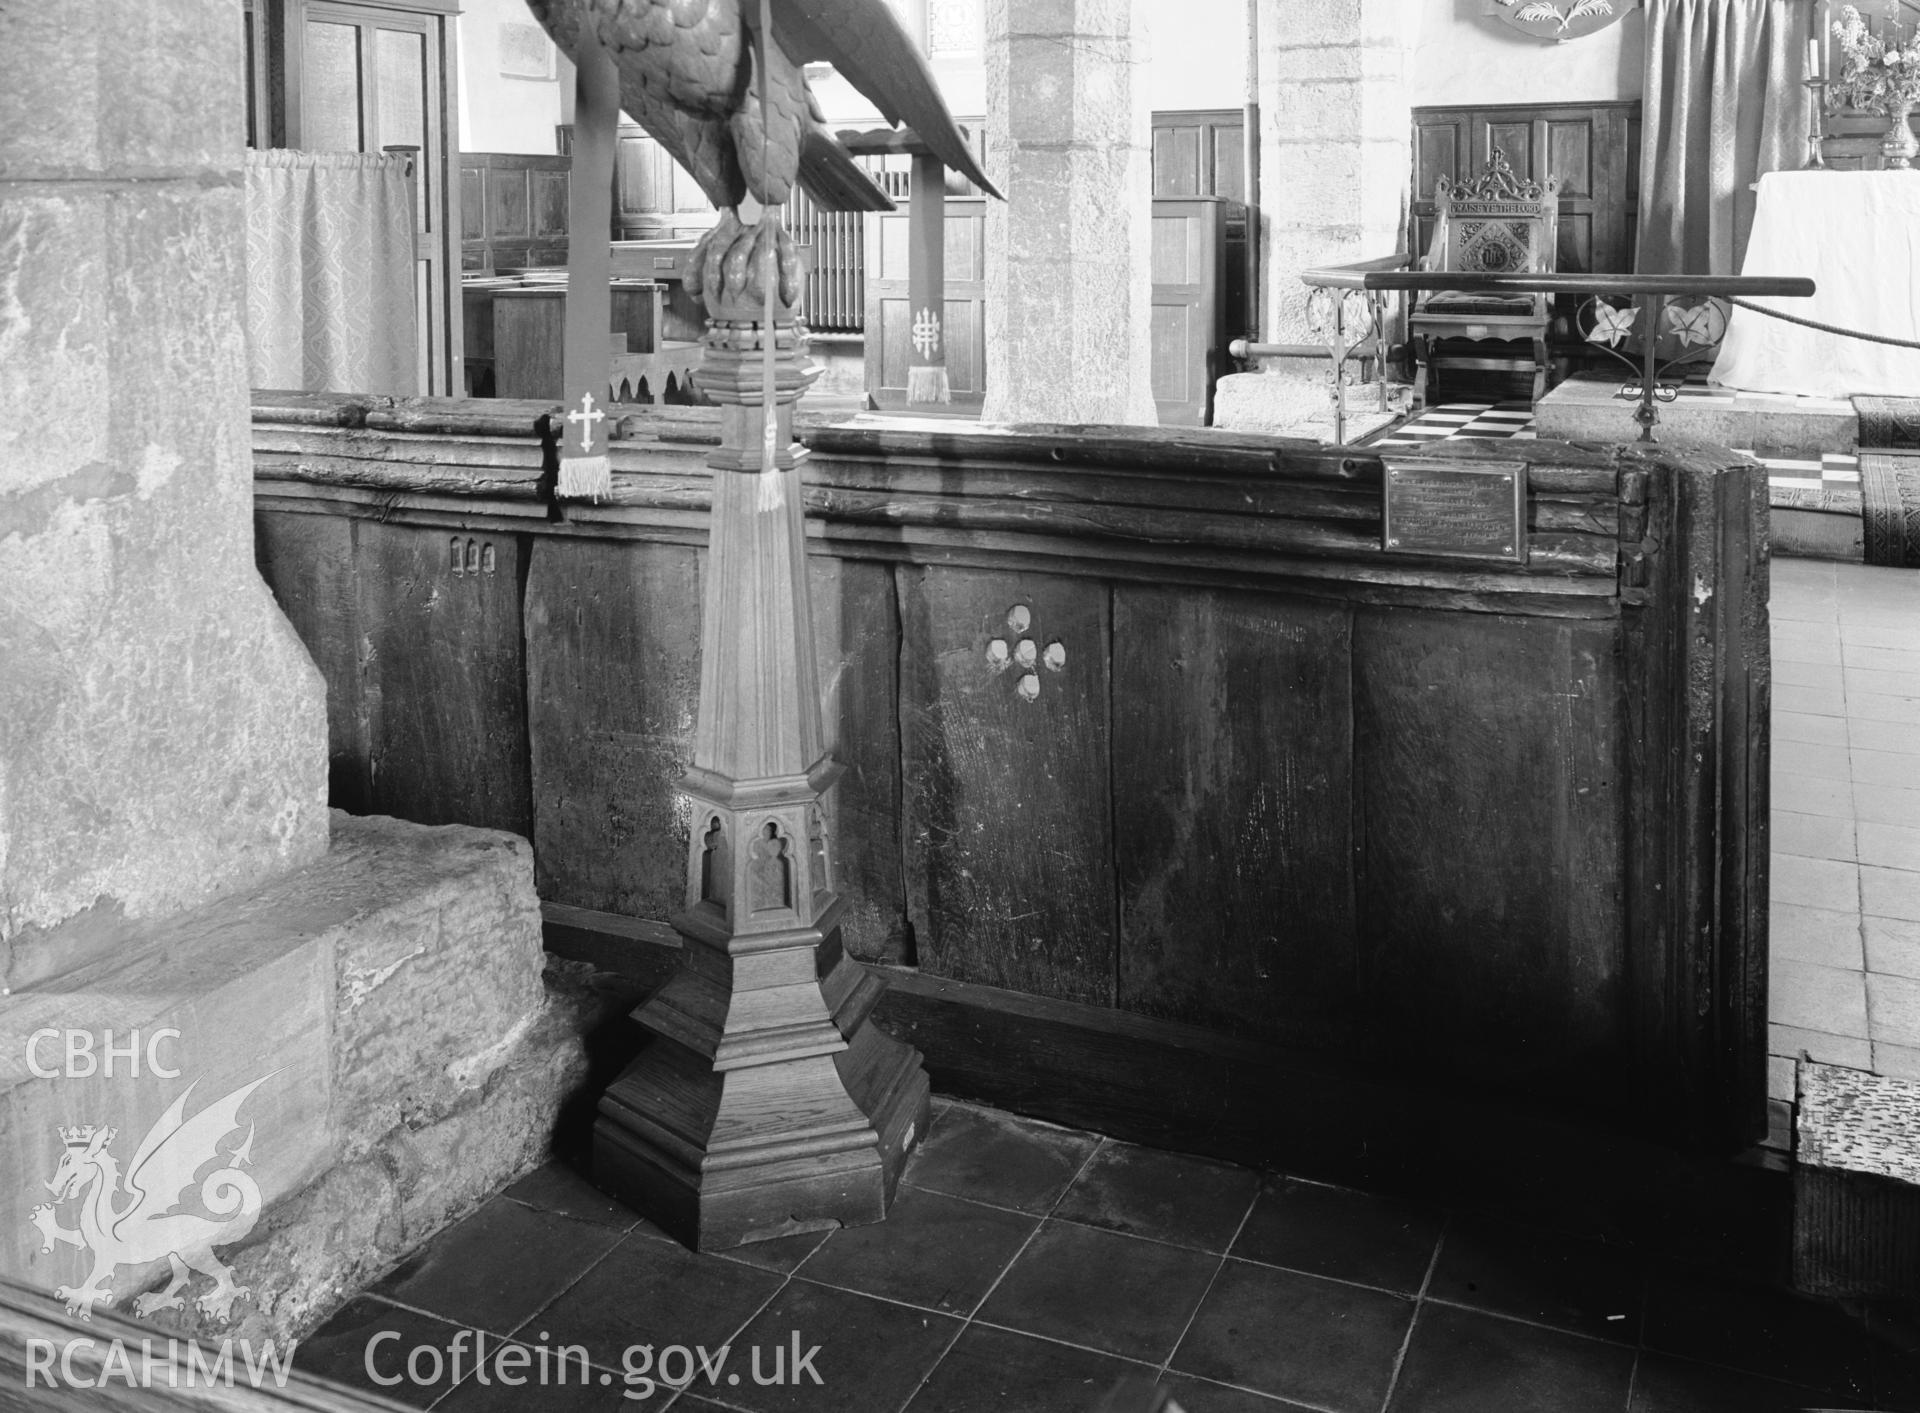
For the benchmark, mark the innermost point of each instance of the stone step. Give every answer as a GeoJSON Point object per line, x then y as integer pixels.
{"type": "Point", "coordinates": [367, 1041]}
{"type": "Point", "coordinates": [1590, 409]}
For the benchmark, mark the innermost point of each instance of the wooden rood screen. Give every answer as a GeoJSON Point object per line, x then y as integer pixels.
{"type": "Point", "coordinates": [1153, 740]}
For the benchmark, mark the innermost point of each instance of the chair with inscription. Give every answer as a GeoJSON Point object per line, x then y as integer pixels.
{"type": "Point", "coordinates": [1493, 224]}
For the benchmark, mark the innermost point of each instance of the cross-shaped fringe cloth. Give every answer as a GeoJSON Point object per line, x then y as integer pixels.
{"type": "Point", "coordinates": [585, 470]}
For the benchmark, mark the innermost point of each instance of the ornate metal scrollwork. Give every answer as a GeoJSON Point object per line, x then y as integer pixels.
{"type": "Point", "coordinates": [1684, 328]}
{"type": "Point", "coordinates": [1346, 320]}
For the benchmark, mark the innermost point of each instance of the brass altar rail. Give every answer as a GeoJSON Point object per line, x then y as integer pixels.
{"type": "Point", "coordinates": [1389, 273]}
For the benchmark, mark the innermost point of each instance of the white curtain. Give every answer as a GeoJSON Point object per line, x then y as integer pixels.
{"type": "Point", "coordinates": [1724, 102]}
{"type": "Point", "coordinates": [330, 273]}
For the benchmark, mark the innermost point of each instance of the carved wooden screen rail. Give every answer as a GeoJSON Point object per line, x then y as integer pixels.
{"type": "Point", "coordinates": [1666, 305]}
{"type": "Point", "coordinates": [1178, 803]}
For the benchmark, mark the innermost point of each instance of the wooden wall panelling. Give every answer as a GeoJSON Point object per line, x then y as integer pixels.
{"type": "Point", "coordinates": [1570, 148]}
{"type": "Point", "coordinates": [856, 625]}
{"type": "Point", "coordinates": [442, 674]}
{"type": "Point", "coordinates": [1199, 153]}
{"type": "Point", "coordinates": [613, 683]}
{"type": "Point", "coordinates": [307, 560]}
{"type": "Point", "coordinates": [473, 214]}
{"type": "Point", "coordinates": [513, 210]}
{"type": "Point", "coordinates": [652, 198]}
{"type": "Point", "coordinates": [1179, 159]}
{"type": "Point", "coordinates": [509, 209]}
{"type": "Point", "coordinates": [1490, 881]}
{"type": "Point", "coordinates": [1442, 147]}
{"type": "Point", "coordinates": [1006, 817]}
{"type": "Point", "coordinates": [1233, 812]}
{"type": "Point", "coordinates": [1593, 147]}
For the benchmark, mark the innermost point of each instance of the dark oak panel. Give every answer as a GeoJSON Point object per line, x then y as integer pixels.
{"type": "Point", "coordinates": [613, 677]}
{"type": "Point", "coordinates": [1488, 803]}
{"type": "Point", "coordinates": [1234, 845]}
{"type": "Point", "coordinates": [442, 674]}
{"type": "Point", "coordinates": [856, 625]}
{"type": "Point", "coordinates": [1009, 853]}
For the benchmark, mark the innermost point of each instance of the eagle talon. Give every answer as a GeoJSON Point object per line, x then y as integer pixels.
{"type": "Point", "coordinates": [728, 268]}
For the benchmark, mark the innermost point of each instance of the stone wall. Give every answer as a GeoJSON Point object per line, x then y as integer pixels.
{"type": "Point", "coordinates": [1069, 279]}
{"type": "Point", "coordinates": [1335, 143]}
{"type": "Point", "coordinates": [162, 732]}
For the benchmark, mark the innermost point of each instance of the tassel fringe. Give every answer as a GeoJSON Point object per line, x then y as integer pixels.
{"type": "Point", "coordinates": [928, 384]}
{"type": "Point", "coordinates": [585, 478]}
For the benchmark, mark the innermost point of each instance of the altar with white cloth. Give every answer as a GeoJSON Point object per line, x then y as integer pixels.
{"type": "Point", "coordinates": [1857, 236]}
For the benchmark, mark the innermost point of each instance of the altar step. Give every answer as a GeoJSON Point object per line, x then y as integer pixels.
{"type": "Point", "coordinates": [1770, 425]}
{"type": "Point", "coordinates": [1811, 447]}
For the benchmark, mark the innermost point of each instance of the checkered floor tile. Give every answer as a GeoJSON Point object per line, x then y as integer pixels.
{"type": "Point", "coordinates": [1831, 471]}
{"type": "Point", "coordinates": [1464, 419]}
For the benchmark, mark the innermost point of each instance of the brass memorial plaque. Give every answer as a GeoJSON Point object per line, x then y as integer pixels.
{"type": "Point", "coordinates": [1473, 510]}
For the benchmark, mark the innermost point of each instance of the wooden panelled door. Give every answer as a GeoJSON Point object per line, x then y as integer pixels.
{"type": "Point", "coordinates": [1199, 153]}
{"type": "Point", "coordinates": [1594, 148]}
{"type": "Point", "coordinates": [334, 76]}
{"type": "Point", "coordinates": [1189, 343]}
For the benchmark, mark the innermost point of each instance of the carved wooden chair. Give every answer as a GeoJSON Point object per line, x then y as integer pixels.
{"type": "Point", "coordinates": [1494, 224]}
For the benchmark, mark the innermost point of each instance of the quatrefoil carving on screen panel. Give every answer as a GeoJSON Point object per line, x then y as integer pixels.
{"type": "Point", "coordinates": [1021, 652]}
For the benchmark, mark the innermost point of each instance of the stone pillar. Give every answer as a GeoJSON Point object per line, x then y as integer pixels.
{"type": "Point", "coordinates": [1335, 143]}
{"type": "Point", "coordinates": [1069, 278]}
{"type": "Point", "coordinates": [162, 732]}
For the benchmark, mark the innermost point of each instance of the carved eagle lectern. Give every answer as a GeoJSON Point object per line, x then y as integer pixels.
{"type": "Point", "coordinates": [689, 76]}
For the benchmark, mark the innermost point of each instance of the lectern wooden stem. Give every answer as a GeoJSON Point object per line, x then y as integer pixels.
{"type": "Point", "coordinates": [765, 1104]}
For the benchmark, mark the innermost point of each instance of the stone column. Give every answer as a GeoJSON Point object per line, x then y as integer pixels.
{"type": "Point", "coordinates": [163, 733]}
{"type": "Point", "coordinates": [1336, 139]}
{"type": "Point", "coordinates": [1069, 279]}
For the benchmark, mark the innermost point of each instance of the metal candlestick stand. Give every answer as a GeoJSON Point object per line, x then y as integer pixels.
{"type": "Point", "coordinates": [1816, 125]}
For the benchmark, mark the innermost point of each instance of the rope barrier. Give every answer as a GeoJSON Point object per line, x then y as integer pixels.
{"type": "Point", "coordinates": [1823, 328]}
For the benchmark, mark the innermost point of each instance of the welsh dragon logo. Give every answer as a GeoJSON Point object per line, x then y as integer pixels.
{"type": "Point", "coordinates": [135, 1220]}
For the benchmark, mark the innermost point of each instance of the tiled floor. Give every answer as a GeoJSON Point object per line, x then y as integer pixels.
{"type": "Point", "coordinates": [1029, 1268]}
{"type": "Point", "coordinates": [1512, 420]}
{"type": "Point", "coordinates": [1845, 984]}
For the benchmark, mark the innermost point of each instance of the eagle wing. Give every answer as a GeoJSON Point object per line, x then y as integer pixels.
{"type": "Point", "coordinates": [863, 40]}
{"type": "Point", "coordinates": [690, 126]}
